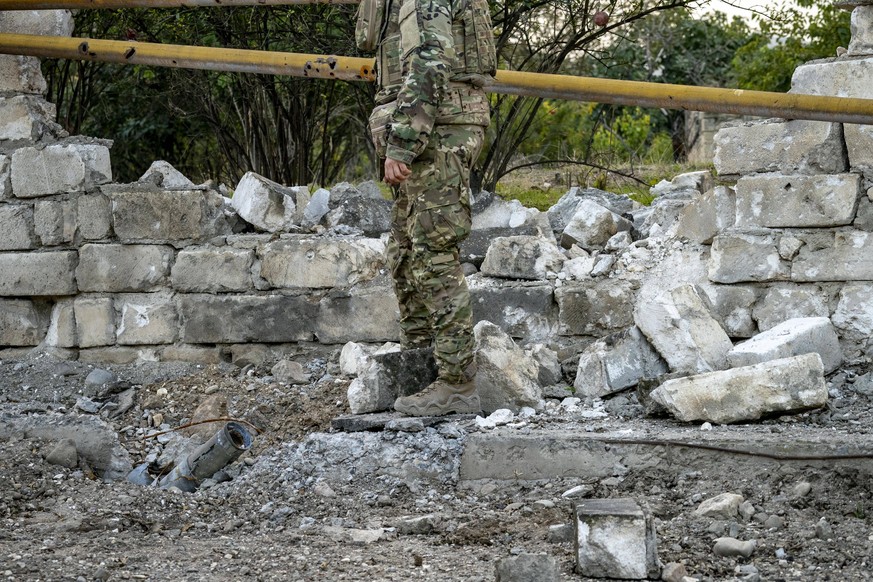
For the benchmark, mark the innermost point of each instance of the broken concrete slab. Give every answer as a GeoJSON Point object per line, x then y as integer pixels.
{"type": "Point", "coordinates": [523, 257]}
{"type": "Point", "coordinates": [267, 205]}
{"type": "Point", "coordinates": [213, 270]}
{"type": "Point", "coordinates": [617, 362]}
{"type": "Point", "coordinates": [595, 307]}
{"type": "Point", "coordinates": [507, 376]}
{"type": "Point", "coordinates": [743, 394]}
{"type": "Point", "coordinates": [391, 375]}
{"type": "Point", "coordinates": [784, 302]}
{"type": "Point", "coordinates": [791, 338]}
{"type": "Point", "coordinates": [59, 169]}
{"type": "Point", "coordinates": [615, 538]}
{"type": "Point", "coordinates": [681, 328]}
{"type": "Point", "coordinates": [17, 228]}
{"type": "Point", "coordinates": [22, 322]}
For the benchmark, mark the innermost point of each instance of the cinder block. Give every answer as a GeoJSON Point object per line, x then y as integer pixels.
{"type": "Point", "coordinates": [95, 321]}
{"type": "Point", "coordinates": [213, 270]}
{"type": "Point", "coordinates": [147, 319]}
{"type": "Point", "coordinates": [22, 323]}
{"type": "Point", "coordinates": [38, 274]}
{"type": "Point", "coordinates": [59, 169]}
{"type": "Point", "coordinates": [615, 538]}
{"type": "Point", "coordinates": [116, 268]}
{"type": "Point", "coordinates": [55, 221]}
{"type": "Point", "coordinates": [159, 216]}
{"type": "Point", "coordinates": [212, 319]}
{"type": "Point", "coordinates": [16, 228]}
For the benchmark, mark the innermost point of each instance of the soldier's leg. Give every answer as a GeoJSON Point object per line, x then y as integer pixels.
{"type": "Point", "coordinates": [439, 221]}
{"type": "Point", "coordinates": [414, 315]}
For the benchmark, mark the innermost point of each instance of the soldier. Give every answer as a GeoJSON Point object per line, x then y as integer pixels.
{"type": "Point", "coordinates": [433, 58]}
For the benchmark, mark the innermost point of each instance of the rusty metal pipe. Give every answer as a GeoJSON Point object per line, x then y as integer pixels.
{"type": "Point", "coordinates": [113, 4]}
{"type": "Point", "coordinates": [757, 103]}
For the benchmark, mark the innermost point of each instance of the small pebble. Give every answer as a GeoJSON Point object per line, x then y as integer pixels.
{"type": "Point", "coordinates": [731, 547]}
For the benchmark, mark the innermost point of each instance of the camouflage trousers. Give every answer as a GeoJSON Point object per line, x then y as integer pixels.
{"type": "Point", "coordinates": [429, 220]}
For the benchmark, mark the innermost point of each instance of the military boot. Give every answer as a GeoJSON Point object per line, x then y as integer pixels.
{"type": "Point", "coordinates": [441, 398]}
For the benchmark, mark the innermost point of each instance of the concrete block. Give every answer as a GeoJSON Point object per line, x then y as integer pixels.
{"type": "Point", "coordinates": [595, 307]}
{"type": "Point", "coordinates": [321, 262]}
{"type": "Point", "coordinates": [147, 319]}
{"type": "Point", "coordinates": [777, 201]}
{"type": "Point", "coordinates": [362, 313]}
{"type": "Point", "coordinates": [39, 22]}
{"type": "Point", "coordinates": [5, 179]}
{"type": "Point", "coordinates": [794, 337]}
{"type": "Point", "coordinates": [733, 307]}
{"type": "Point", "coordinates": [703, 218]}
{"type": "Point", "coordinates": [371, 216]}
{"type": "Point", "coordinates": [267, 205]}
{"type": "Point", "coordinates": [212, 319]}
{"type": "Point", "coordinates": [192, 354]}
{"type": "Point", "coordinates": [862, 32]}
{"type": "Point", "coordinates": [782, 303]}
{"type": "Point", "coordinates": [681, 328]}
{"type": "Point", "coordinates": [592, 226]}
{"type": "Point", "coordinates": [55, 221]}
{"type": "Point", "coordinates": [38, 274]}
{"type": "Point", "coordinates": [790, 147]}
{"type": "Point", "coordinates": [95, 321]}
{"type": "Point", "coordinates": [847, 77]}
{"type": "Point", "coordinates": [94, 216]}
{"type": "Point", "coordinates": [739, 257]}
{"type": "Point", "coordinates": [521, 309]}
{"type": "Point", "coordinates": [507, 377]}
{"type": "Point", "coordinates": [843, 255]}
{"type": "Point", "coordinates": [162, 216]}
{"type": "Point", "coordinates": [385, 377]}
{"type": "Point", "coordinates": [16, 228]}
{"type": "Point", "coordinates": [59, 169]}
{"type": "Point", "coordinates": [62, 326]}
{"type": "Point", "coordinates": [475, 246]}
{"type": "Point", "coordinates": [528, 568]}
{"type": "Point", "coordinates": [164, 175]}
{"type": "Point", "coordinates": [615, 538]}
{"type": "Point", "coordinates": [523, 257]}
{"type": "Point", "coordinates": [853, 316]}
{"type": "Point", "coordinates": [213, 270]}
{"type": "Point", "coordinates": [748, 393]}
{"type": "Point", "coordinates": [21, 75]}
{"type": "Point", "coordinates": [616, 362]}
{"type": "Point", "coordinates": [114, 268]}
{"type": "Point", "coordinates": [22, 322]}
{"type": "Point", "coordinates": [118, 355]}
{"type": "Point", "coordinates": [562, 212]}
{"type": "Point", "coordinates": [26, 118]}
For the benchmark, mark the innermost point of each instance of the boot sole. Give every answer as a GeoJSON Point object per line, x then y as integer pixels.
{"type": "Point", "coordinates": [456, 405]}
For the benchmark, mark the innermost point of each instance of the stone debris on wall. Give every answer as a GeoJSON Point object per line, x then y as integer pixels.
{"type": "Point", "coordinates": [612, 292]}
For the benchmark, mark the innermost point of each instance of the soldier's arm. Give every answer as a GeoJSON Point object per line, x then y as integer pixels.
{"type": "Point", "coordinates": [427, 47]}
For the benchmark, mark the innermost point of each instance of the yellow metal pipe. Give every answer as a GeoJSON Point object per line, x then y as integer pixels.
{"type": "Point", "coordinates": [656, 95]}
{"type": "Point", "coordinates": [86, 4]}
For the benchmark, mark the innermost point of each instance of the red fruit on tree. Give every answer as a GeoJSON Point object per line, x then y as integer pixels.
{"type": "Point", "coordinates": [601, 18]}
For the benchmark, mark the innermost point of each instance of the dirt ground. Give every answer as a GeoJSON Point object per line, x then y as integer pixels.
{"type": "Point", "coordinates": [308, 503]}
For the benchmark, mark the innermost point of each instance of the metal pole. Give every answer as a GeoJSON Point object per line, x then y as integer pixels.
{"type": "Point", "coordinates": [85, 4]}
{"type": "Point", "coordinates": [757, 103]}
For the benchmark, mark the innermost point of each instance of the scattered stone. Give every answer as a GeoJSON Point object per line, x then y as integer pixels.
{"type": "Point", "coordinates": [801, 490]}
{"type": "Point", "coordinates": [673, 572]}
{"type": "Point", "coordinates": [85, 404]}
{"type": "Point", "coordinates": [389, 376]}
{"type": "Point", "coordinates": [774, 522]}
{"type": "Point", "coordinates": [212, 407]}
{"type": "Point", "coordinates": [578, 491]}
{"type": "Point", "coordinates": [791, 338]}
{"type": "Point", "coordinates": [323, 490]}
{"type": "Point", "coordinates": [497, 418]}
{"type": "Point", "coordinates": [528, 568]}
{"type": "Point", "coordinates": [417, 526]}
{"type": "Point", "coordinates": [731, 548]}
{"type": "Point", "coordinates": [290, 372]}
{"type": "Point", "coordinates": [507, 377]}
{"type": "Point", "coordinates": [101, 383]}
{"type": "Point", "coordinates": [724, 506]}
{"type": "Point", "coordinates": [64, 454]}
{"type": "Point", "coordinates": [823, 530]}
{"type": "Point", "coordinates": [163, 174]}
{"type": "Point", "coordinates": [746, 510]}
{"type": "Point", "coordinates": [522, 257]}
{"type": "Point", "coordinates": [561, 533]}
{"type": "Point", "coordinates": [592, 226]}
{"type": "Point", "coordinates": [267, 205]}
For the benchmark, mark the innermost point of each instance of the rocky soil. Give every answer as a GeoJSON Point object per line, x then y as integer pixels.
{"type": "Point", "coordinates": [310, 503]}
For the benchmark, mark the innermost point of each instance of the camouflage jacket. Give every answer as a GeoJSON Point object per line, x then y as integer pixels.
{"type": "Point", "coordinates": [440, 74]}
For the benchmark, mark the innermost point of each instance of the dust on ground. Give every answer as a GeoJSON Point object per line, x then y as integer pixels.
{"type": "Point", "coordinates": [304, 504]}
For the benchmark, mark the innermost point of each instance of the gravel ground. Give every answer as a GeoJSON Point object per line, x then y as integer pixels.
{"type": "Point", "coordinates": [306, 503]}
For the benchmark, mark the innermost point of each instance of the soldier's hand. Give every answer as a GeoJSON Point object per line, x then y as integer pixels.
{"type": "Point", "coordinates": [396, 172]}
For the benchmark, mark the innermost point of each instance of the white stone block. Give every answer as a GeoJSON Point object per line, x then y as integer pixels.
{"type": "Point", "coordinates": [21, 75]}
{"type": "Point", "coordinates": [617, 362]}
{"type": "Point", "coordinates": [739, 257]}
{"type": "Point", "coordinates": [592, 226]}
{"type": "Point", "coordinates": [782, 303]}
{"type": "Point", "coordinates": [62, 327]}
{"type": "Point", "coordinates": [732, 306]}
{"type": "Point", "coordinates": [862, 31]}
{"type": "Point", "coordinates": [38, 274]}
{"type": "Point", "coordinates": [146, 319]}
{"type": "Point", "coordinates": [16, 228]}
{"type": "Point", "coordinates": [94, 217]}
{"type": "Point", "coordinates": [213, 270]}
{"type": "Point", "coordinates": [114, 268]}
{"type": "Point", "coordinates": [95, 321]}
{"type": "Point", "coordinates": [522, 257]}
{"type": "Point", "coordinates": [748, 393]}
{"type": "Point", "coordinates": [55, 221]}
{"type": "Point", "coordinates": [267, 205]}
{"type": "Point", "coordinates": [777, 201]}
{"type": "Point", "coordinates": [25, 117]}
{"type": "Point", "coordinates": [854, 313]}
{"type": "Point", "coordinates": [321, 262]}
{"type": "Point", "coordinates": [680, 326]}
{"type": "Point", "coordinates": [21, 323]}
{"type": "Point", "coordinates": [59, 169]}
{"type": "Point", "coordinates": [615, 538]}
{"type": "Point", "coordinates": [704, 217]}
{"type": "Point", "coordinates": [844, 255]}
{"type": "Point", "coordinates": [794, 337]}
{"type": "Point", "coordinates": [507, 377]}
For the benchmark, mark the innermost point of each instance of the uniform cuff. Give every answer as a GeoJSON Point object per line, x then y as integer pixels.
{"type": "Point", "coordinates": [400, 154]}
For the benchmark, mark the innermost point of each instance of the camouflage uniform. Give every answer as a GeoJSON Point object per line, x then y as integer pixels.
{"type": "Point", "coordinates": [433, 58]}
